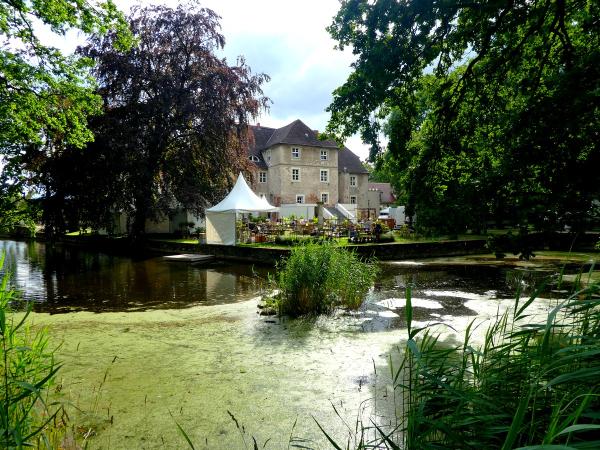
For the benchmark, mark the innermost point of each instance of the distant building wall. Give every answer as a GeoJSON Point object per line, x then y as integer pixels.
{"type": "Point", "coordinates": [359, 190]}
{"type": "Point", "coordinates": [306, 211]}
{"type": "Point", "coordinates": [160, 226]}
{"type": "Point", "coordinates": [281, 164]}
{"type": "Point", "coordinates": [374, 201]}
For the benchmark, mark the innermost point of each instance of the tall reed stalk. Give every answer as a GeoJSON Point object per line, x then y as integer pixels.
{"type": "Point", "coordinates": [532, 384]}
{"type": "Point", "coordinates": [27, 368]}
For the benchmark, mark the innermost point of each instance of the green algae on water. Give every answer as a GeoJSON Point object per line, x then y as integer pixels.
{"type": "Point", "coordinates": [125, 374]}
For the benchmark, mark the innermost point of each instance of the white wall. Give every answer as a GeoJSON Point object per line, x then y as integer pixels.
{"type": "Point", "coordinates": [306, 210]}
{"type": "Point", "coordinates": [351, 207]}
{"type": "Point", "coordinates": [220, 228]}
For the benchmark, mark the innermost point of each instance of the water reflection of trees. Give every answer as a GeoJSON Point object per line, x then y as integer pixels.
{"type": "Point", "coordinates": [150, 283]}
{"type": "Point", "coordinates": [66, 278]}
{"type": "Point", "coordinates": [470, 278]}
{"type": "Point", "coordinates": [60, 278]}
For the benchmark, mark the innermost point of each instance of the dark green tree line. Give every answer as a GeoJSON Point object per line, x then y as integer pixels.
{"type": "Point", "coordinates": [491, 108]}
{"type": "Point", "coordinates": [173, 128]}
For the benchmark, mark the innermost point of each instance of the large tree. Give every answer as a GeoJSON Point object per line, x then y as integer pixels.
{"type": "Point", "coordinates": [174, 125]}
{"type": "Point", "coordinates": [45, 96]}
{"type": "Point", "coordinates": [491, 108]}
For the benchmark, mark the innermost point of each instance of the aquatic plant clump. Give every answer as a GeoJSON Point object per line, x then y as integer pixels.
{"type": "Point", "coordinates": [317, 278]}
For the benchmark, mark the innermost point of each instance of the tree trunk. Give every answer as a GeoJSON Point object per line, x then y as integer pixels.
{"type": "Point", "coordinates": [142, 204]}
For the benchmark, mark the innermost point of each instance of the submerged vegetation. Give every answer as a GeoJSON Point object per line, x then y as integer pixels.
{"type": "Point", "coordinates": [317, 278]}
{"type": "Point", "coordinates": [533, 383]}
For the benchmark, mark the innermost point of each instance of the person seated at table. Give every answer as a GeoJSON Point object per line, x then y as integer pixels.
{"type": "Point", "coordinates": [377, 230]}
{"type": "Point", "coordinates": [352, 234]}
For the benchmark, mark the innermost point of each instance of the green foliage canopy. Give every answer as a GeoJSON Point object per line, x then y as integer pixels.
{"type": "Point", "coordinates": [43, 93]}
{"type": "Point", "coordinates": [491, 108]}
{"type": "Point", "coordinates": [45, 96]}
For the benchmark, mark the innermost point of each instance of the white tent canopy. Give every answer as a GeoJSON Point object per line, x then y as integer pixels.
{"type": "Point", "coordinates": [220, 219]}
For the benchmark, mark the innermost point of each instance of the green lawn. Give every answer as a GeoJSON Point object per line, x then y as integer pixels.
{"type": "Point", "coordinates": [571, 256]}
{"type": "Point", "coordinates": [176, 240]}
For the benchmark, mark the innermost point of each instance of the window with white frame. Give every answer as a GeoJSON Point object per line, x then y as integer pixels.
{"type": "Point", "coordinates": [325, 197]}
{"type": "Point", "coordinates": [268, 156]}
{"type": "Point", "coordinates": [262, 177]}
{"type": "Point", "coordinates": [295, 152]}
{"type": "Point", "coordinates": [353, 199]}
{"type": "Point", "coordinates": [253, 158]}
{"type": "Point", "coordinates": [352, 180]}
{"type": "Point", "coordinates": [324, 155]}
{"type": "Point", "coordinates": [295, 174]}
{"type": "Point", "coordinates": [324, 175]}
{"type": "Point", "coordinates": [300, 198]}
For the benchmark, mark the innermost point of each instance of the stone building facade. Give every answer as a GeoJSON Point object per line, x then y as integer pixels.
{"type": "Point", "coordinates": [293, 165]}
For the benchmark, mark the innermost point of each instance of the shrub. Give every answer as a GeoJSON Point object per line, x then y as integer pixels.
{"type": "Point", "coordinates": [384, 226]}
{"type": "Point", "coordinates": [520, 244]}
{"type": "Point", "coordinates": [405, 232]}
{"type": "Point", "coordinates": [27, 368]}
{"type": "Point", "coordinates": [386, 237]}
{"type": "Point", "coordinates": [317, 278]}
{"type": "Point", "coordinates": [298, 239]}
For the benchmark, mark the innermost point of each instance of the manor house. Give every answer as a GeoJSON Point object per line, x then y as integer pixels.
{"type": "Point", "coordinates": [295, 167]}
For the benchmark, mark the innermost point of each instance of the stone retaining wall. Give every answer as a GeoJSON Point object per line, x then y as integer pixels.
{"type": "Point", "coordinates": [389, 252]}
{"type": "Point", "coordinates": [260, 255]}
{"type": "Point", "coordinates": [266, 255]}
{"type": "Point", "coordinates": [383, 252]}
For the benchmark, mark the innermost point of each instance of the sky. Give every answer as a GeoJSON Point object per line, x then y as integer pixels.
{"type": "Point", "coordinates": [287, 40]}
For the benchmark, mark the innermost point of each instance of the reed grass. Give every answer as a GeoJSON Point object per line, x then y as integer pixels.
{"type": "Point", "coordinates": [317, 278]}
{"type": "Point", "coordinates": [27, 369]}
{"type": "Point", "coordinates": [532, 384]}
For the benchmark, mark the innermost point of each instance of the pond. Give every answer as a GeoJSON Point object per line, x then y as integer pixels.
{"type": "Point", "coordinates": [147, 343]}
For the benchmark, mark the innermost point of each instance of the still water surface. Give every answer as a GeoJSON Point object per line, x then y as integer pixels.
{"type": "Point", "coordinates": [66, 279]}
{"type": "Point", "coordinates": [145, 343]}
